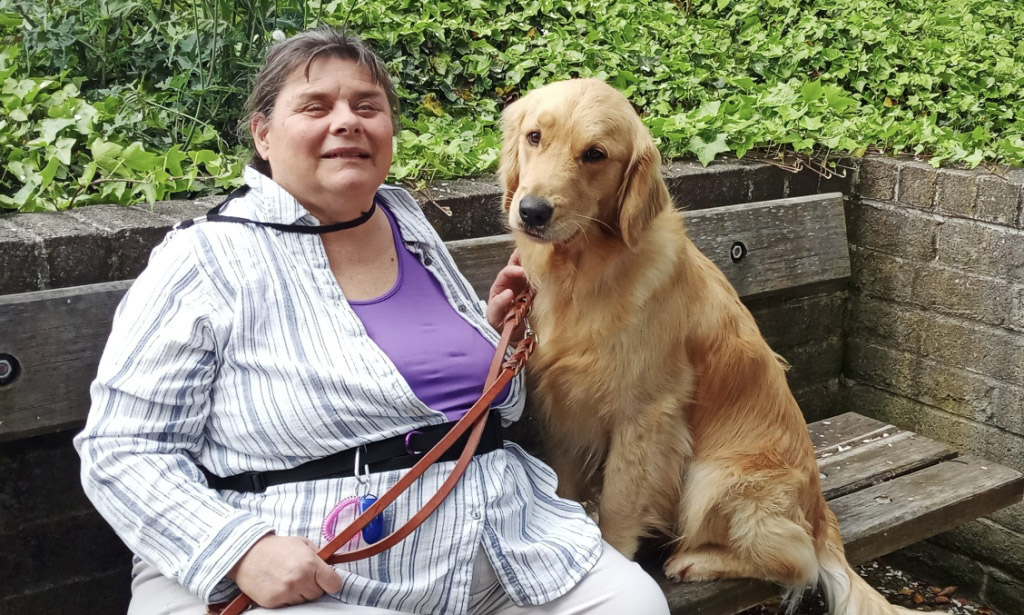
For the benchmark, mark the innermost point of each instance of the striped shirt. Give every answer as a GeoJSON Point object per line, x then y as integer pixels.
{"type": "Point", "coordinates": [236, 350]}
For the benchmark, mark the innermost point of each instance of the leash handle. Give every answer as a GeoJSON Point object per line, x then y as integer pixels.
{"type": "Point", "coordinates": [501, 372]}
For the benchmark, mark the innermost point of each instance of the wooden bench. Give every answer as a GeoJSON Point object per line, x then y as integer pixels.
{"type": "Point", "coordinates": [888, 487]}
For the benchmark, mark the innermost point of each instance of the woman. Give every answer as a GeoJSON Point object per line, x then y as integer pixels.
{"type": "Point", "coordinates": [244, 348]}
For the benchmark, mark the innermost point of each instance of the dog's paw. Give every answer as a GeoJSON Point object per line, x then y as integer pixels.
{"type": "Point", "coordinates": [691, 566]}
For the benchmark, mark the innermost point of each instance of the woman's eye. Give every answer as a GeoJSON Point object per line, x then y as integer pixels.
{"type": "Point", "coordinates": [593, 155]}
{"type": "Point", "coordinates": [533, 137]}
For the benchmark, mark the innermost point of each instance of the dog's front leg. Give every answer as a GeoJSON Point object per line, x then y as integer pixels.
{"type": "Point", "coordinates": [623, 504]}
{"type": "Point", "coordinates": [642, 474]}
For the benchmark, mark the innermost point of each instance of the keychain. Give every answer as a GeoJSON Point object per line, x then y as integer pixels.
{"type": "Point", "coordinates": [373, 531]}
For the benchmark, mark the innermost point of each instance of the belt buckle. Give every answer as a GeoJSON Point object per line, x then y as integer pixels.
{"type": "Point", "coordinates": [259, 484]}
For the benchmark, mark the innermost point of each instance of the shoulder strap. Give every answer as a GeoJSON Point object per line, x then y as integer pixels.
{"type": "Point", "coordinates": [214, 215]}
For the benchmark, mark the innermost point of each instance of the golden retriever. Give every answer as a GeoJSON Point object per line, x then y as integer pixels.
{"type": "Point", "coordinates": [662, 405]}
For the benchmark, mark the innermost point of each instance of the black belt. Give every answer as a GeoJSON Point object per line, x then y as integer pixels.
{"type": "Point", "coordinates": [395, 453]}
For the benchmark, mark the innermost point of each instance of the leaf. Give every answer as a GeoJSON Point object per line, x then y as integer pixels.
{"type": "Point", "coordinates": [10, 20]}
{"type": "Point", "coordinates": [62, 149]}
{"type": "Point", "coordinates": [88, 173]}
{"type": "Point", "coordinates": [709, 109]}
{"type": "Point", "coordinates": [432, 104]}
{"type": "Point", "coordinates": [46, 175]}
{"type": "Point", "coordinates": [22, 196]}
{"type": "Point", "coordinates": [137, 158]}
{"type": "Point", "coordinates": [173, 159]}
{"type": "Point", "coordinates": [744, 83]}
{"type": "Point", "coordinates": [148, 189]}
{"type": "Point", "coordinates": [49, 128]}
{"type": "Point", "coordinates": [203, 156]}
{"type": "Point", "coordinates": [84, 117]}
{"type": "Point", "coordinates": [836, 98]}
{"type": "Point", "coordinates": [105, 154]}
{"type": "Point", "coordinates": [706, 152]}
{"type": "Point", "coordinates": [811, 91]}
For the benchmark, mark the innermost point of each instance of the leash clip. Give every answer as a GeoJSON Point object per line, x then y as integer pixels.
{"type": "Point", "coordinates": [364, 477]}
{"type": "Point", "coordinates": [522, 353]}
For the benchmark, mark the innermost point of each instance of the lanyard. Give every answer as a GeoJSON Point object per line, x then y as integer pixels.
{"type": "Point", "coordinates": [214, 215]}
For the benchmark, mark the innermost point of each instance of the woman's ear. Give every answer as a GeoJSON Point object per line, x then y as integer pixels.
{"type": "Point", "coordinates": [643, 194]}
{"type": "Point", "coordinates": [260, 127]}
{"type": "Point", "coordinates": [508, 165]}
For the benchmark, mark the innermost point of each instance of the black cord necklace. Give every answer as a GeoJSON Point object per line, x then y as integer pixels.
{"type": "Point", "coordinates": [214, 215]}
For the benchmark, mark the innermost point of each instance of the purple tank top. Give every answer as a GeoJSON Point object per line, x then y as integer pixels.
{"type": "Point", "coordinates": [442, 357]}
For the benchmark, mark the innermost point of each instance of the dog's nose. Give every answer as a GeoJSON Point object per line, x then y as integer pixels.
{"type": "Point", "coordinates": [535, 212]}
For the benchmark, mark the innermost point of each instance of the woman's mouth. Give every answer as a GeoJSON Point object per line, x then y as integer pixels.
{"type": "Point", "coordinates": [347, 152]}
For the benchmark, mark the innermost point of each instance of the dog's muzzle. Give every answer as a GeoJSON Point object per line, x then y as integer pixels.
{"type": "Point", "coordinates": [534, 212]}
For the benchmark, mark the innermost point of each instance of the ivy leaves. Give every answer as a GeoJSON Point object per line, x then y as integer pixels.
{"type": "Point", "coordinates": [59, 150]}
{"type": "Point", "coordinates": [131, 101]}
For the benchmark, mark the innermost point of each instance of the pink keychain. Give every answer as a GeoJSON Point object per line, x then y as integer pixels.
{"type": "Point", "coordinates": [373, 531]}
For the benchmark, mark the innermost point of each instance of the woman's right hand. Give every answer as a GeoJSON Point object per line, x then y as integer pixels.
{"type": "Point", "coordinates": [282, 571]}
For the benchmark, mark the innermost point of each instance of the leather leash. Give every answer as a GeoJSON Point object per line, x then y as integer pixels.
{"type": "Point", "coordinates": [501, 372]}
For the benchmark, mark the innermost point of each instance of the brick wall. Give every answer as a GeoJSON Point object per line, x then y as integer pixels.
{"type": "Point", "coordinates": [57, 556]}
{"type": "Point", "coordinates": [935, 339]}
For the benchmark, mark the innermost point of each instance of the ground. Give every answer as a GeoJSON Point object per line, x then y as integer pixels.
{"type": "Point", "coordinates": [899, 588]}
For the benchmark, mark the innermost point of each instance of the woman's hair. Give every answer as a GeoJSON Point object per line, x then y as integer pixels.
{"type": "Point", "coordinates": [300, 51]}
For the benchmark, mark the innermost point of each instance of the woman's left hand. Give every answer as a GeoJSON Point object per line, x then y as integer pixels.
{"type": "Point", "coordinates": [511, 281]}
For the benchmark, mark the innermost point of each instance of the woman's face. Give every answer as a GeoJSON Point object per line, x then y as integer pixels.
{"type": "Point", "coordinates": [329, 138]}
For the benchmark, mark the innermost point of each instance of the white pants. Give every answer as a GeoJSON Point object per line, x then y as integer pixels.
{"type": "Point", "coordinates": [615, 586]}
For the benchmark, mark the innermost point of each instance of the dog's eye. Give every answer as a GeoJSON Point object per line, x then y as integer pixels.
{"type": "Point", "coordinates": [533, 138]}
{"type": "Point", "coordinates": [593, 155]}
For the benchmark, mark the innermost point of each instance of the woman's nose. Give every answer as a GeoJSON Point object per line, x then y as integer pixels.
{"type": "Point", "coordinates": [344, 120]}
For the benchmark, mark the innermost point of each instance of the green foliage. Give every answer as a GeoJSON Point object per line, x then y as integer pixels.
{"type": "Point", "coordinates": [132, 100]}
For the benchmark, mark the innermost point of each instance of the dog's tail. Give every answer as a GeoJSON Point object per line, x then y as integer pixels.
{"type": "Point", "coordinates": [846, 591]}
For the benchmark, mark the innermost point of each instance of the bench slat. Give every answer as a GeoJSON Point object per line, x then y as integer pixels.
{"type": "Point", "coordinates": [855, 452]}
{"type": "Point", "coordinates": [879, 460]}
{"type": "Point", "coordinates": [843, 429]}
{"type": "Point", "coordinates": [58, 335]}
{"type": "Point", "coordinates": [908, 509]}
{"type": "Point", "coordinates": [876, 521]}
{"type": "Point", "coordinates": [790, 243]}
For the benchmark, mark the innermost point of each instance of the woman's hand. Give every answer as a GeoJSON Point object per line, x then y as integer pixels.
{"type": "Point", "coordinates": [511, 281]}
{"type": "Point", "coordinates": [283, 571]}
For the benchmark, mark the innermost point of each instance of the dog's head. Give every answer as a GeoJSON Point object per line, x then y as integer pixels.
{"type": "Point", "coordinates": [577, 161]}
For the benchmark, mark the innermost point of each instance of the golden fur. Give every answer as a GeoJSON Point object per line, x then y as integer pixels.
{"type": "Point", "coordinates": [662, 405]}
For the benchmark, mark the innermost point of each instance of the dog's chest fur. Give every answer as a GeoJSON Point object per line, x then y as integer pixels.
{"type": "Point", "coordinates": [607, 344]}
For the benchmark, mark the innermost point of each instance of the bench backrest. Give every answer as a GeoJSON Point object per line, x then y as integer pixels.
{"type": "Point", "coordinates": [56, 336]}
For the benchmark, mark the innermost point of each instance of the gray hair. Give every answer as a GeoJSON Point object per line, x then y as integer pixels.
{"type": "Point", "coordinates": [299, 51]}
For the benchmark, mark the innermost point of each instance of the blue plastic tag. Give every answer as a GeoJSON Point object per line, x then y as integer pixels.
{"type": "Point", "coordinates": [374, 530]}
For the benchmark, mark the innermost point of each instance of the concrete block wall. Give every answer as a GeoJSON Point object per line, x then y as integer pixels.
{"type": "Point", "coordinates": [57, 556]}
{"type": "Point", "coordinates": [935, 339]}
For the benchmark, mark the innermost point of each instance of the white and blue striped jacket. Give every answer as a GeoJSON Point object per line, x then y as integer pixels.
{"type": "Point", "coordinates": [236, 350]}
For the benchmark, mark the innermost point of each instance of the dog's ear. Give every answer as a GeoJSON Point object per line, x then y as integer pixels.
{"type": "Point", "coordinates": [508, 165]}
{"type": "Point", "coordinates": [642, 194]}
